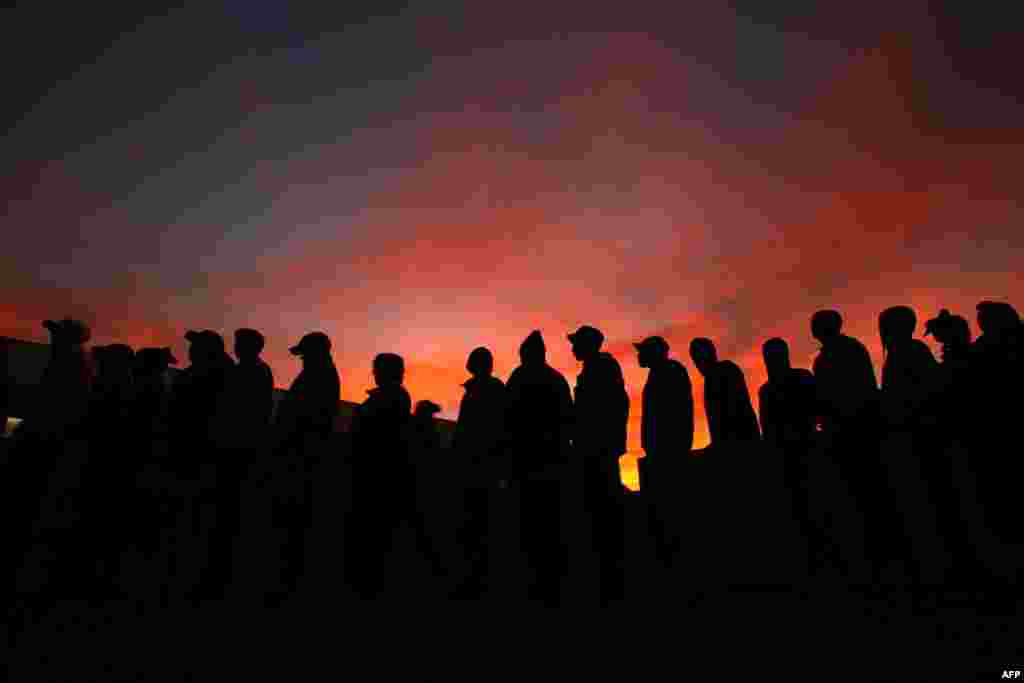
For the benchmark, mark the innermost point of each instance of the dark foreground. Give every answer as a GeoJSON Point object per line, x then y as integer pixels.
{"type": "Point", "coordinates": [742, 634]}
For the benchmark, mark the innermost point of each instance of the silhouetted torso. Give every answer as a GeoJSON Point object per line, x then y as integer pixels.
{"type": "Point", "coordinates": [667, 419]}
{"type": "Point", "coordinates": [253, 387]}
{"type": "Point", "coordinates": [847, 389]}
{"type": "Point", "coordinates": [311, 404]}
{"type": "Point", "coordinates": [788, 409]}
{"type": "Point", "coordinates": [602, 407]}
{"type": "Point", "coordinates": [62, 402]}
{"type": "Point", "coordinates": [379, 428]}
{"type": "Point", "coordinates": [479, 432]}
{"type": "Point", "coordinates": [539, 415]}
{"type": "Point", "coordinates": [196, 398]}
{"type": "Point", "coordinates": [731, 417]}
{"type": "Point", "coordinates": [909, 379]}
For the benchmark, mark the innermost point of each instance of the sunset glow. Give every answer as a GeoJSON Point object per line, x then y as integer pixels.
{"type": "Point", "coordinates": [605, 178]}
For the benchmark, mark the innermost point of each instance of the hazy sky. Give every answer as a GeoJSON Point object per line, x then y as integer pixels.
{"type": "Point", "coordinates": [449, 176]}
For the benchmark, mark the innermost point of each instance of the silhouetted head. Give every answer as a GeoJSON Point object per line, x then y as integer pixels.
{"type": "Point", "coordinates": [997, 317]}
{"type": "Point", "coordinates": [426, 409]}
{"type": "Point", "coordinates": [154, 361]}
{"type": "Point", "coordinates": [67, 332]}
{"type": "Point", "coordinates": [826, 325]}
{"type": "Point", "coordinates": [388, 369]}
{"type": "Point", "coordinates": [776, 357]}
{"type": "Point", "coordinates": [480, 363]}
{"type": "Point", "coordinates": [651, 351]}
{"type": "Point", "coordinates": [586, 342]}
{"type": "Point", "coordinates": [315, 345]}
{"type": "Point", "coordinates": [248, 344]}
{"type": "Point", "coordinates": [532, 350]}
{"type": "Point", "coordinates": [896, 325]}
{"type": "Point", "coordinates": [704, 355]}
{"type": "Point", "coordinates": [949, 330]}
{"type": "Point", "coordinates": [205, 346]}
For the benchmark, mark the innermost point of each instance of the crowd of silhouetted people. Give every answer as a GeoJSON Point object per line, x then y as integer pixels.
{"type": "Point", "coordinates": [126, 478]}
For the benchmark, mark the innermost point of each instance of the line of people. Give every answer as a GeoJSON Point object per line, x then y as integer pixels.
{"type": "Point", "coordinates": [912, 480]}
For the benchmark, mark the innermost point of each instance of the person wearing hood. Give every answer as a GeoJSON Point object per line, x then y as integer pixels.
{"type": "Point", "coordinates": [477, 445]}
{"type": "Point", "coordinates": [599, 440]}
{"type": "Point", "coordinates": [538, 428]}
{"type": "Point", "coordinates": [666, 437]}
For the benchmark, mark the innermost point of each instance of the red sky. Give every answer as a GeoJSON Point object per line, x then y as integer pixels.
{"type": "Point", "coordinates": [603, 178]}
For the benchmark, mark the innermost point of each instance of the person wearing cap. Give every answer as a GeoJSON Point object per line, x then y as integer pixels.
{"type": "Point", "coordinates": [311, 405]}
{"type": "Point", "coordinates": [304, 425]}
{"type": "Point", "coordinates": [599, 440]}
{"type": "Point", "coordinates": [666, 437]}
{"type": "Point", "coordinates": [537, 440]}
{"type": "Point", "coordinates": [477, 444]}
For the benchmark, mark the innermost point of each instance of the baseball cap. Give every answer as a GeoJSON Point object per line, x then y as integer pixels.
{"type": "Point", "coordinates": [587, 333]}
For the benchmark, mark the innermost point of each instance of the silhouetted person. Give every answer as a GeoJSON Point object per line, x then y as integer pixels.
{"type": "Point", "coordinates": [114, 460]}
{"type": "Point", "coordinates": [477, 445]}
{"type": "Point", "coordinates": [599, 440]}
{"type": "Point", "coordinates": [154, 514]}
{"type": "Point", "coordinates": [731, 419]}
{"type": "Point", "coordinates": [152, 393]}
{"type": "Point", "coordinates": [304, 426]}
{"type": "Point", "coordinates": [845, 376]}
{"type": "Point", "coordinates": [425, 437]}
{"type": "Point", "coordinates": [956, 483]}
{"type": "Point", "coordinates": [997, 368]}
{"type": "Point", "coordinates": [849, 421]}
{"type": "Point", "coordinates": [242, 430]}
{"type": "Point", "coordinates": [384, 476]}
{"type": "Point", "coordinates": [51, 453]}
{"type": "Point", "coordinates": [5, 391]}
{"type": "Point", "coordinates": [539, 420]}
{"type": "Point", "coordinates": [788, 405]}
{"type": "Point", "coordinates": [196, 397]}
{"type": "Point", "coordinates": [666, 436]}
{"type": "Point", "coordinates": [250, 394]}
{"type": "Point", "coordinates": [63, 395]}
{"type": "Point", "coordinates": [909, 380]}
